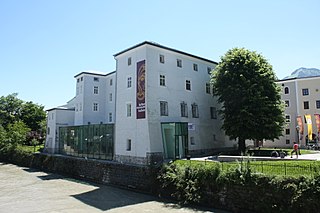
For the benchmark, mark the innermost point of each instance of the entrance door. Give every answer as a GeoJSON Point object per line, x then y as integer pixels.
{"type": "Point", "coordinates": [175, 141]}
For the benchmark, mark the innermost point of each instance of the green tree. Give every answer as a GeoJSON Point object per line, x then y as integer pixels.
{"type": "Point", "coordinates": [10, 109]}
{"type": "Point", "coordinates": [251, 103]}
{"type": "Point", "coordinates": [33, 115]}
{"type": "Point", "coordinates": [17, 133]}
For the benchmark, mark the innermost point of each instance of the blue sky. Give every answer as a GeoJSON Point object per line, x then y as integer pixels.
{"type": "Point", "coordinates": [43, 44]}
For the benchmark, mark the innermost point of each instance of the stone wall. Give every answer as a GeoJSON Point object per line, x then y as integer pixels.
{"type": "Point", "coordinates": [138, 177]}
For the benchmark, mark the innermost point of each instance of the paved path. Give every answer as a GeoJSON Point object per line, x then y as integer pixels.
{"type": "Point", "coordinates": [29, 190]}
{"type": "Point", "coordinates": [315, 156]}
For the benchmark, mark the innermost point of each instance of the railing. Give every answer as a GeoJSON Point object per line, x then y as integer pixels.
{"type": "Point", "coordinates": [286, 169]}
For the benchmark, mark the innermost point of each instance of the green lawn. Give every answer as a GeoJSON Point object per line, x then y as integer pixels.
{"type": "Point", "coordinates": [31, 148]}
{"type": "Point", "coordinates": [281, 168]}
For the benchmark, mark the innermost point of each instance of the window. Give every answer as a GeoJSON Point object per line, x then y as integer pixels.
{"type": "Point", "coordinates": [80, 108]}
{"type": "Point", "coordinates": [95, 90]}
{"type": "Point", "coordinates": [110, 97]}
{"type": "Point", "coordinates": [129, 110]}
{"type": "Point", "coordinates": [78, 80]}
{"type": "Point", "coordinates": [184, 109]}
{"type": "Point", "coordinates": [209, 70]}
{"type": "Point", "coordinates": [110, 116]}
{"type": "Point", "coordinates": [318, 104]}
{"type": "Point", "coordinates": [179, 63]}
{"type": "Point", "coordinates": [305, 92]}
{"type": "Point", "coordinates": [306, 105]}
{"type": "Point", "coordinates": [96, 79]}
{"type": "Point", "coordinates": [163, 108]}
{"type": "Point", "coordinates": [161, 58]}
{"type": "Point", "coordinates": [111, 82]}
{"type": "Point", "coordinates": [287, 131]}
{"type": "Point", "coordinates": [162, 80]}
{"type": "Point", "coordinates": [192, 142]}
{"type": "Point", "coordinates": [129, 82]}
{"type": "Point", "coordinates": [195, 67]}
{"type": "Point", "coordinates": [287, 103]}
{"type": "Point", "coordinates": [286, 90]}
{"type": "Point", "coordinates": [129, 61]}
{"type": "Point", "coordinates": [77, 107]}
{"type": "Point", "coordinates": [213, 112]}
{"type": "Point", "coordinates": [128, 145]}
{"type": "Point", "coordinates": [48, 131]}
{"type": "Point", "coordinates": [208, 88]}
{"type": "Point", "coordinates": [81, 78]}
{"type": "Point", "coordinates": [188, 85]}
{"type": "Point", "coordinates": [95, 106]}
{"type": "Point", "coordinates": [287, 141]}
{"type": "Point", "coordinates": [195, 110]}
{"type": "Point", "coordinates": [288, 119]}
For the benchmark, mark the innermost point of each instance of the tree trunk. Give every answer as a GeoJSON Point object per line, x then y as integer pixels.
{"type": "Point", "coordinates": [242, 146]}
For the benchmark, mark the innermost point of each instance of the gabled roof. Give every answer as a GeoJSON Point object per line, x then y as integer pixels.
{"type": "Point", "coordinates": [163, 47]}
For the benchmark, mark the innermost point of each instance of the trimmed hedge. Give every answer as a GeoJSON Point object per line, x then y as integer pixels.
{"type": "Point", "coordinates": [239, 190]}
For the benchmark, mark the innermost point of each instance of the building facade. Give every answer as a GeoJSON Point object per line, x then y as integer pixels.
{"type": "Point", "coordinates": [160, 104]}
{"type": "Point", "coordinates": [302, 98]}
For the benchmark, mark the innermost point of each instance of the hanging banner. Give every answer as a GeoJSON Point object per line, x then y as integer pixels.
{"type": "Point", "coordinates": [140, 96]}
{"type": "Point", "coordinates": [309, 126]}
{"type": "Point", "coordinates": [300, 125]}
{"type": "Point", "coordinates": [317, 118]}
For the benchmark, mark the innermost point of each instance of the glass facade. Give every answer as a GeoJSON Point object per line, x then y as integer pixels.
{"type": "Point", "coordinates": [175, 140]}
{"type": "Point", "coordinates": [91, 141]}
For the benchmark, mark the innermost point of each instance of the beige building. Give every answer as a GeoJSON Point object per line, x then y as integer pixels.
{"type": "Point", "coordinates": [301, 97]}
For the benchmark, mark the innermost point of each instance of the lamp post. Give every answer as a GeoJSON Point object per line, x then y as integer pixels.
{"type": "Point", "coordinates": [298, 138]}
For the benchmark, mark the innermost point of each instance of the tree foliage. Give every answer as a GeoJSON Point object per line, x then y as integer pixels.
{"type": "Point", "coordinates": [19, 119]}
{"type": "Point", "coordinates": [251, 103]}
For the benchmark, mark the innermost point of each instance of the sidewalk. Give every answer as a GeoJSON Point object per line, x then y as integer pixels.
{"type": "Point", "coordinates": [226, 158]}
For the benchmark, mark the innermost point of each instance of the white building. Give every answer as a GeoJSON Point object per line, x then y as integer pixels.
{"type": "Point", "coordinates": [160, 103]}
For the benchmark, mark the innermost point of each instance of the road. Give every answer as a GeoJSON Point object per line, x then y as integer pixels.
{"type": "Point", "coordinates": [28, 190]}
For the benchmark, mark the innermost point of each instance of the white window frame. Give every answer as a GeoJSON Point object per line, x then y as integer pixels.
{"type": "Point", "coordinates": [285, 90]}
{"type": "Point", "coordinates": [287, 103]}
{"type": "Point", "coordinates": [188, 85]}
{"type": "Point", "coordinates": [287, 118]}
{"type": "Point", "coordinates": [110, 117]}
{"type": "Point", "coordinates": [95, 90]}
{"type": "Point", "coordinates": [179, 63]}
{"type": "Point", "coordinates": [161, 59]}
{"type": "Point", "coordinates": [195, 67]}
{"type": "Point", "coordinates": [129, 110]}
{"type": "Point", "coordinates": [129, 61]}
{"type": "Point", "coordinates": [208, 88]}
{"type": "Point", "coordinates": [95, 107]}
{"type": "Point", "coordinates": [305, 91]}
{"type": "Point", "coordinates": [195, 110]}
{"type": "Point", "coordinates": [184, 109]}
{"type": "Point", "coordinates": [213, 113]}
{"type": "Point", "coordinates": [162, 80]}
{"type": "Point", "coordinates": [164, 108]}
{"type": "Point", "coordinates": [129, 144]}
{"type": "Point", "coordinates": [129, 81]}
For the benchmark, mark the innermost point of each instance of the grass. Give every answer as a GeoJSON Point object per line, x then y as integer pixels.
{"type": "Point", "coordinates": [278, 168]}
{"type": "Point", "coordinates": [31, 148]}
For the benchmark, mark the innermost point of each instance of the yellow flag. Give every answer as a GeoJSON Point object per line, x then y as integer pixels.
{"type": "Point", "coordinates": [309, 125]}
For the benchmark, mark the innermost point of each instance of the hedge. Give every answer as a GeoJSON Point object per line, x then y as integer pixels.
{"type": "Point", "coordinates": [239, 189]}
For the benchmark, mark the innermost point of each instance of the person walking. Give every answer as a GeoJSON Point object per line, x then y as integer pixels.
{"type": "Point", "coordinates": [295, 149]}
